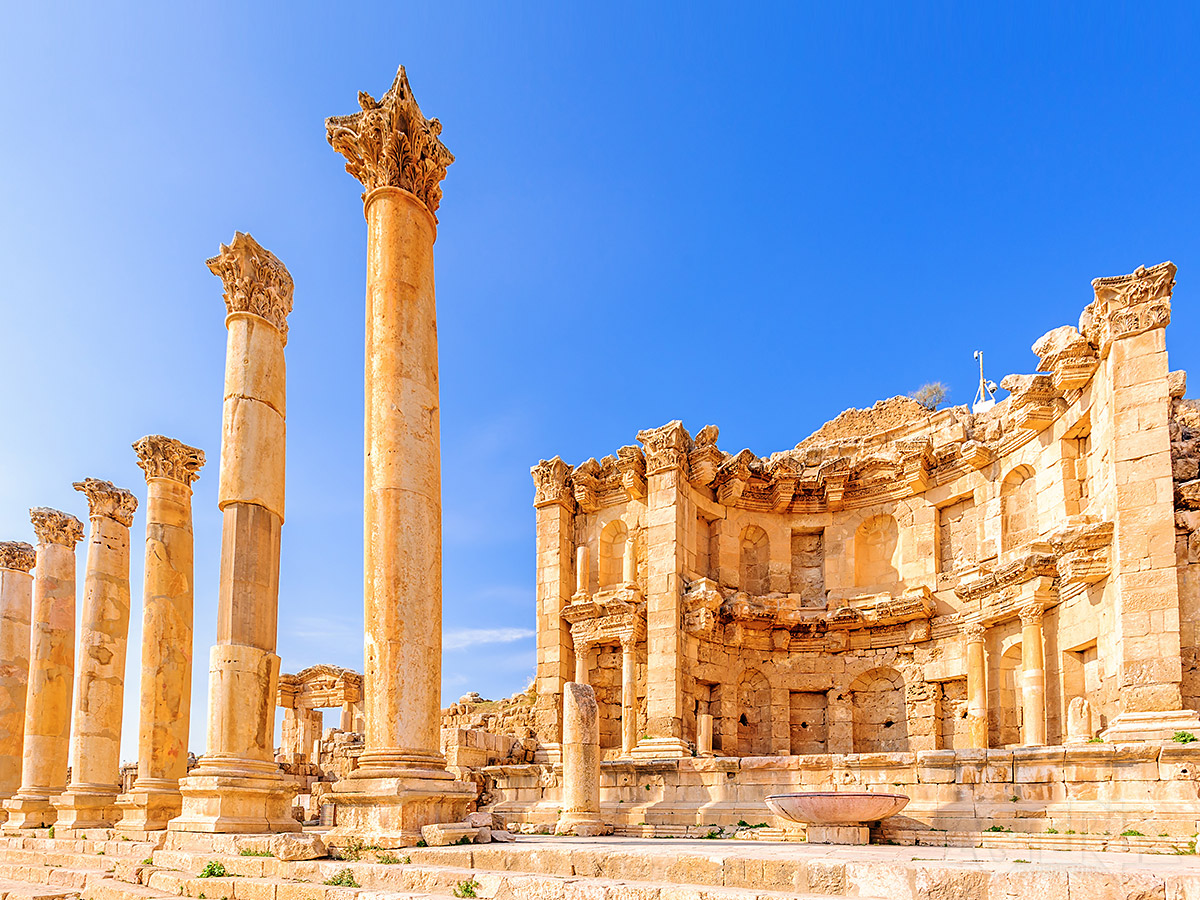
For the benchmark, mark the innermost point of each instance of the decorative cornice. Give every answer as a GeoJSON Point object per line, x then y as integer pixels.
{"type": "Point", "coordinates": [631, 463]}
{"type": "Point", "coordinates": [1032, 403]}
{"type": "Point", "coordinates": [164, 457]}
{"type": "Point", "coordinates": [586, 483]}
{"type": "Point", "coordinates": [1083, 551]}
{"type": "Point", "coordinates": [1035, 564]}
{"type": "Point", "coordinates": [17, 555]}
{"type": "Point", "coordinates": [106, 499]}
{"type": "Point", "coordinates": [550, 483]}
{"type": "Point", "coordinates": [53, 526]}
{"type": "Point", "coordinates": [390, 143]}
{"type": "Point", "coordinates": [666, 447]}
{"type": "Point", "coordinates": [255, 280]}
{"type": "Point", "coordinates": [1127, 305]}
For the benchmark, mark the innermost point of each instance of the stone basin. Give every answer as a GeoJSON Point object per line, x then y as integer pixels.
{"type": "Point", "coordinates": [836, 817]}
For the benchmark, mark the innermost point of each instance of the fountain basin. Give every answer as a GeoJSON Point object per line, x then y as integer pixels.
{"type": "Point", "coordinates": [836, 817]}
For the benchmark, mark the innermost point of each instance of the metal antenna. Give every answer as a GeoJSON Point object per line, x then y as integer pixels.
{"type": "Point", "coordinates": [985, 397]}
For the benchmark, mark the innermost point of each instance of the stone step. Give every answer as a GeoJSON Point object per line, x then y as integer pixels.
{"type": "Point", "coordinates": [19, 890]}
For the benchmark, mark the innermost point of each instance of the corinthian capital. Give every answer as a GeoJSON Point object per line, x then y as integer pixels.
{"type": "Point", "coordinates": [550, 483]}
{"type": "Point", "coordinates": [666, 447]}
{"type": "Point", "coordinates": [163, 457]}
{"type": "Point", "coordinates": [17, 555]}
{"type": "Point", "coordinates": [55, 527]}
{"type": "Point", "coordinates": [1127, 305]}
{"type": "Point", "coordinates": [255, 280]}
{"type": "Point", "coordinates": [390, 143]}
{"type": "Point", "coordinates": [106, 499]}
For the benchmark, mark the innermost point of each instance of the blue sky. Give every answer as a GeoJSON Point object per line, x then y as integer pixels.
{"type": "Point", "coordinates": [752, 218]}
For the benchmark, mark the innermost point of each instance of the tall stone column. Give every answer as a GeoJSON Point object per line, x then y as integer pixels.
{"type": "Point", "coordinates": [401, 782]}
{"type": "Point", "coordinates": [628, 695]}
{"type": "Point", "coordinates": [582, 571]}
{"type": "Point", "coordinates": [1033, 676]}
{"type": "Point", "coordinates": [16, 598]}
{"type": "Point", "coordinates": [90, 798]}
{"type": "Point", "coordinates": [668, 514]}
{"type": "Point", "coordinates": [238, 787]}
{"type": "Point", "coordinates": [977, 710]}
{"type": "Point", "coordinates": [581, 763]}
{"type": "Point", "coordinates": [583, 651]}
{"type": "Point", "coordinates": [51, 672]}
{"type": "Point", "coordinates": [168, 601]}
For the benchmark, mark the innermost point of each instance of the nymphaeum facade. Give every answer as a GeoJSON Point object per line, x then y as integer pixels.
{"type": "Point", "coordinates": [902, 580]}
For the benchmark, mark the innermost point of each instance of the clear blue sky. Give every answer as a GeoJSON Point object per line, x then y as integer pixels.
{"type": "Point", "coordinates": [753, 219]}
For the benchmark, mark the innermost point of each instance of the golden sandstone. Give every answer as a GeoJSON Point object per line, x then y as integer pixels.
{"type": "Point", "coordinates": [991, 612]}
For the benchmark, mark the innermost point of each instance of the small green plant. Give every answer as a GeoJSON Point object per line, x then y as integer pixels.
{"type": "Point", "coordinates": [1095, 740]}
{"type": "Point", "coordinates": [353, 850]}
{"type": "Point", "coordinates": [1131, 832]}
{"type": "Point", "coordinates": [246, 851]}
{"type": "Point", "coordinates": [124, 837]}
{"type": "Point", "coordinates": [712, 835]}
{"type": "Point", "coordinates": [147, 861]}
{"type": "Point", "coordinates": [99, 852]}
{"type": "Point", "coordinates": [1021, 860]}
{"type": "Point", "coordinates": [1164, 834]}
{"type": "Point", "coordinates": [213, 870]}
{"type": "Point", "coordinates": [1051, 831]}
{"type": "Point", "coordinates": [1013, 799]}
{"type": "Point", "coordinates": [930, 395]}
{"type": "Point", "coordinates": [647, 787]}
{"type": "Point", "coordinates": [50, 833]}
{"type": "Point", "coordinates": [468, 888]}
{"type": "Point", "coordinates": [1070, 831]}
{"type": "Point", "coordinates": [421, 843]}
{"type": "Point", "coordinates": [344, 878]}
{"type": "Point", "coordinates": [997, 828]}
{"type": "Point", "coordinates": [1183, 737]}
{"type": "Point", "coordinates": [391, 859]}
{"type": "Point", "coordinates": [202, 897]}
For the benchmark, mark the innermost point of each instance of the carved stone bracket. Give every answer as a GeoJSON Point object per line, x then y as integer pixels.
{"type": "Point", "coordinates": [17, 555]}
{"type": "Point", "coordinates": [917, 461]}
{"type": "Point", "coordinates": [701, 601]}
{"type": "Point", "coordinates": [1127, 305]}
{"type": "Point", "coordinates": [1067, 356]}
{"type": "Point", "coordinates": [631, 463]}
{"type": "Point", "coordinates": [705, 458]}
{"type": "Point", "coordinates": [106, 499]}
{"type": "Point", "coordinates": [1083, 550]}
{"type": "Point", "coordinates": [164, 457]}
{"type": "Point", "coordinates": [550, 480]}
{"type": "Point", "coordinates": [255, 280]}
{"type": "Point", "coordinates": [976, 454]}
{"type": "Point", "coordinates": [834, 475]}
{"type": "Point", "coordinates": [732, 476]}
{"type": "Point", "coordinates": [666, 447]}
{"type": "Point", "coordinates": [586, 485]}
{"type": "Point", "coordinates": [1032, 403]}
{"type": "Point", "coordinates": [390, 143]}
{"type": "Point", "coordinates": [53, 526]}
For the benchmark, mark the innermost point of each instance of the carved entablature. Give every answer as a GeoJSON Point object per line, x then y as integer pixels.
{"type": "Point", "coordinates": [1001, 591]}
{"type": "Point", "coordinates": [610, 617]}
{"type": "Point", "coordinates": [1033, 401]}
{"type": "Point", "coordinates": [834, 475]}
{"type": "Point", "coordinates": [1127, 305]}
{"type": "Point", "coordinates": [701, 602]}
{"type": "Point", "coordinates": [551, 480]}
{"type": "Point", "coordinates": [631, 463]}
{"type": "Point", "coordinates": [320, 687]}
{"type": "Point", "coordinates": [732, 477]}
{"type": "Point", "coordinates": [666, 447]}
{"type": "Point", "coordinates": [917, 461]}
{"type": "Point", "coordinates": [106, 499]}
{"type": "Point", "coordinates": [705, 458]}
{"type": "Point", "coordinates": [163, 457]}
{"type": "Point", "coordinates": [390, 143]}
{"type": "Point", "coordinates": [586, 484]}
{"type": "Point", "coordinates": [17, 555]}
{"type": "Point", "coordinates": [976, 454]}
{"type": "Point", "coordinates": [255, 281]}
{"type": "Point", "coordinates": [1083, 550]}
{"type": "Point", "coordinates": [53, 526]}
{"type": "Point", "coordinates": [885, 610]}
{"type": "Point", "coordinates": [1067, 356]}
{"type": "Point", "coordinates": [784, 474]}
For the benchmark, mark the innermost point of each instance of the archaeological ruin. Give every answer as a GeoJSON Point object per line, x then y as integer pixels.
{"type": "Point", "coordinates": [986, 613]}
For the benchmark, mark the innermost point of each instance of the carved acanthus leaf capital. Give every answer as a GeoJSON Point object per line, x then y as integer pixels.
{"type": "Point", "coordinates": [666, 447]}
{"type": "Point", "coordinates": [17, 555]}
{"type": "Point", "coordinates": [106, 499]}
{"type": "Point", "coordinates": [390, 143]}
{"type": "Point", "coordinates": [255, 280]}
{"type": "Point", "coordinates": [550, 483]}
{"type": "Point", "coordinates": [1127, 305]}
{"type": "Point", "coordinates": [164, 457]}
{"type": "Point", "coordinates": [53, 526]}
{"type": "Point", "coordinates": [973, 631]}
{"type": "Point", "coordinates": [1031, 613]}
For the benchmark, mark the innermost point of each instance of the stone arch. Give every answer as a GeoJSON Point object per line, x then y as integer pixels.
{"type": "Point", "coordinates": [880, 714]}
{"type": "Point", "coordinates": [754, 561]}
{"type": "Point", "coordinates": [614, 544]}
{"type": "Point", "coordinates": [1018, 501]}
{"type": "Point", "coordinates": [753, 714]}
{"type": "Point", "coordinates": [876, 552]}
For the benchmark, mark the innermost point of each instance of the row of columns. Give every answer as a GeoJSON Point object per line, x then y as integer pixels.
{"type": "Point", "coordinates": [39, 678]}
{"type": "Point", "coordinates": [1033, 679]}
{"type": "Point", "coordinates": [628, 686]}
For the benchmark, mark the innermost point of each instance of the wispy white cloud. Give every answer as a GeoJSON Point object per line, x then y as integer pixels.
{"type": "Point", "coordinates": [462, 638]}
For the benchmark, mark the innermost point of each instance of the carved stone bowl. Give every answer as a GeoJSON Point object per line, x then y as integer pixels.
{"type": "Point", "coordinates": [836, 807]}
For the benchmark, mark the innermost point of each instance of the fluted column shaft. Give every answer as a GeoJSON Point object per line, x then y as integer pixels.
{"type": "Point", "coordinates": [16, 598]}
{"type": "Point", "coordinates": [168, 600]}
{"type": "Point", "coordinates": [51, 672]}
{"type": "Point", "coordinates": [977, 711]}
{"type": "Point", "coordinates": [1033, 677]}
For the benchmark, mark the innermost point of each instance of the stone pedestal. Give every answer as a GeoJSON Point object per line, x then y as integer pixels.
{"type": "Point", "coordinates": [1033, 677]}
{"type": "Point", "coordinates": [16, 598]}
{"type": "Point", "coordinates": [238, 786]}
{"type": "Point", "coordinates": [977, 709]}
{"type": "Point", "coordinates": [581, 763]}
{"type": "Point", "coordinates": [166, 688]}
{"type": "Point", "coordinates": [51, 672]}
{"type": "Point", "coordinates": [837, 834]}
{"type": "Point", "coordinates": [90, 798]}
{"type": "Point", "coordinates": [401, 782]}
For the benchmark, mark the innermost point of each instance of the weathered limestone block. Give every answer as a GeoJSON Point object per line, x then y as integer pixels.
{"type": "Point", "coordinates": [16, 598]}
{"type": "Point", "coordinates": [51, 672]}
{"type": "Point", "coordinates": [90, 798]}
{"type": "Point", "coordinates": [455, 833]}
{"type": "Point", "coordinates": [581, 763]}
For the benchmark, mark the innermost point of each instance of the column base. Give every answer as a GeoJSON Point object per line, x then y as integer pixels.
{"type": "Point", "coordinates": [838, 834]}
{"type": "Point", "coordinates": [582, 824]}
{"type": "Point", "coordinates": [389, 811]}
{"type": "Point", "coordinates": [86, 806]}
{"type": "Point", "coordinates": [661, 748]}
{"type": "Point", "coordinates": [27, 811]}
{"type": "Point", "coordinates": [1150, 726]}
{"type": "Point", "coordinates": [149, 806]}
{"type": "Point", "coordinates": [235, 796]}
{"type": "Point", "coordinates": [548, 755]}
